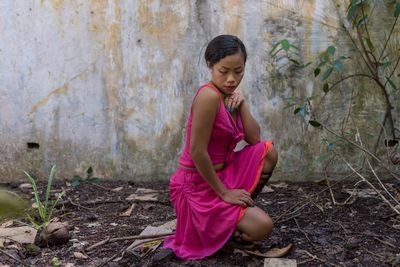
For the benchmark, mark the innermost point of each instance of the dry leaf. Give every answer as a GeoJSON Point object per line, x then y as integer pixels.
{"type": "Point", "coordinates": [151, 197]}
{"type": "Point", "coordinates": [69, 264]}
{"type": "Point", "coordinates": [7, 224]}
{"type": "Point", "coordinates": [80, 255]}
{"type": "Point", "coordinates": [274, 262]}
{"type": "Point", "coordinates": [25, 186]}
{"type": "Point", "coordinates": [170, 225]}
{"type": "Point", "coordinates": [117, 189]}
{"type": "Point", "coordinates": [22, 235]}
{"type": "Point", "coordinates": [150, 246]}
{"type": "Point", "coordinates": [272, 253]}
{"type": "Point", "coordinates": [363, 193]}
{"type": "Point", "coordinates": [142, 191]}
{"type": "Point", "coordinates": [396, 226]}
{"type": "Point", "coordinates": [267, 189]}
{"type": "Point", "coordinates": [128, 212]}
{"type": "Point", "coordinates": [280, 185]}
{"type": "Point", "coordinates": [241, 252]}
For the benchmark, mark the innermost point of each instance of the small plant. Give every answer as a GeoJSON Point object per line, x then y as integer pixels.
{"type": "Point", "coordinates": [55, 261]}
{"type": "Point", "coordinates": [89, 179]}
{"type": "Point", "coordinates": [45, 207]}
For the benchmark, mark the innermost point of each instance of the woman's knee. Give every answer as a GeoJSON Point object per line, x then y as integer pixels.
{"type": "Point", "coordinates": [265, 227]}
{"type": "Point", "coordinates": [261, 228]}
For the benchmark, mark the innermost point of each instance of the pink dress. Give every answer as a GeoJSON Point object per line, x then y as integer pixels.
{"type": "Point", "coordinates": [204, 221]}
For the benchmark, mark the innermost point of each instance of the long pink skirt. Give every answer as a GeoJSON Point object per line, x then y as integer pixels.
{"type": "Point", "coordinates": [204, 221]}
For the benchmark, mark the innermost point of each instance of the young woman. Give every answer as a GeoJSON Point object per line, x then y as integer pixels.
{"type": "Point", "coordinates": [213, 189]}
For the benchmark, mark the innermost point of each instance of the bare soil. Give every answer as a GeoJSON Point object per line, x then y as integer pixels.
{"type": "Point", "coordinates": [364, 232]}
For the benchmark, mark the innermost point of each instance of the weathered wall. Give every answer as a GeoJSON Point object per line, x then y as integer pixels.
{"type": "Point", "coordinates": [108, 83]}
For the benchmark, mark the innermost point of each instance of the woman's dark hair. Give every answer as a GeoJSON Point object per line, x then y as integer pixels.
{"type": "Point", "coordinates": [222, 46]}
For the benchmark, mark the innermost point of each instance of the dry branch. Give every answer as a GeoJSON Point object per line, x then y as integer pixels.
{"type": "Point", "coordinates": [134, 237]}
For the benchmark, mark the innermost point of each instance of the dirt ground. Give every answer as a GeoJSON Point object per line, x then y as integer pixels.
{"type": "Point", "coordinates": [363, 232]}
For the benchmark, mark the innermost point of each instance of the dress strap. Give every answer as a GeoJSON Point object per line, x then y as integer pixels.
{"type": "Point", "coordinates": [212, 86]}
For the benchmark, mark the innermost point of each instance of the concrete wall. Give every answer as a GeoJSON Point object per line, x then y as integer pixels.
{"type": "Point", "coordinates": [108, 83]}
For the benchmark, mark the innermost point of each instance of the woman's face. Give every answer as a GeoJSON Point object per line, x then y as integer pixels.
{"type": "Point", "coordinates": [228, 72]}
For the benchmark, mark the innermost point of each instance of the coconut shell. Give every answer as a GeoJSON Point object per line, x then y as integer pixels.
{"type": "Point", "coordinates": [55, 233]}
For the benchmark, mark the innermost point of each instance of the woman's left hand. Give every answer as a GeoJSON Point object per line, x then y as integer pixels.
{"type": "Point", "coordinates": [233, 101]}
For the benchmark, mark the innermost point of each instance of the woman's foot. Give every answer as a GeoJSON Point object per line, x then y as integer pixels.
{"type": "Point", "coordinates": [237, 242]}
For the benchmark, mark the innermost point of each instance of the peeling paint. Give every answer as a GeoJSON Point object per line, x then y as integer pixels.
{"type": "Point", "coordinates": [57, 92]}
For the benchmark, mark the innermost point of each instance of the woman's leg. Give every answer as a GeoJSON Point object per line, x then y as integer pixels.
{"type": "Point", "coordinates": [255, 225]}
{"type": "Point", "coordinates": [269, 164]}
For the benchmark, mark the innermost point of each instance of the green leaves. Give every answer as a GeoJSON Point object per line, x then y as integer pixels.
{"type": "Point", "coordinates": [391, 83]}
{"type": "Point", "coordinates": [397, 10]}
{"type": "Point", "coordinates": [354, 8]}
{"type": "Point", "coordinates": [326, 58]}
{"type": "Point", "coordinates": [284, 45]}
{"type": "Point", "coordinates": [325, 88]}
{"type": "Point", "coordinates": [301, 110]}
{"type": "Point", "coordinates": [362, 21]}
{"type": "Point", "coordinates": [317, 71]}
{"type": "Point", "coordinates": [55, 261]}
{"type": "Point", "coordinates": [370, 45]}
{"type": "Point", "coordinates": [45, 212]}
{"type": "Point", "coordinates": [327, 73]}
{"type": "Point", "coordinates": [338, 65]}
{"type": "Point", "coordinates": [89, 179]}
{"type": "Point", "coordinates": [331, 50]}
{"type": "Point", "coordinates": [314, 123]}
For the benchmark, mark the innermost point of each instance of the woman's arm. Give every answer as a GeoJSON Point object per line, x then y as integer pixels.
{"type": "Point", "coordinates": [204, 110]}
{"type": "Point", "coordinates": [250, 126]}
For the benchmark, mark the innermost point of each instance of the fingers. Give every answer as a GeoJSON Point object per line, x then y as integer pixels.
{"type": "Point", "coordinates": [240, 197]}
{"type": "Point", "coordinates": [245, 198]}
{"type": "Point", "coordinates": [233, 101]}
{"type": "Point", "coordinates": [229, 103]}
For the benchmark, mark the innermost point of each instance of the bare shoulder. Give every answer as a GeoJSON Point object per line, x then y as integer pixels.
{"type": "Point", "coordinates": [208, 95]}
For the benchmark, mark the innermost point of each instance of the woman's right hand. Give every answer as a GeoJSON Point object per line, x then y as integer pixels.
{"type": "Point", "coordinates": [238, 197]}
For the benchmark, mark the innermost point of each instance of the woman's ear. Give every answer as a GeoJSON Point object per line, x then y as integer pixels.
{"type": "Point", "coordinates": [209, 68]}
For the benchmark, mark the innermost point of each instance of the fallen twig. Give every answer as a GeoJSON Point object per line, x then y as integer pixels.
{"type": "Point", "coordinates": [368, 182]}
{"type": "Point", "coordinates": [373, 171]}
{"type": "Point", "coordinates": [130, 247]}
{"type": "Point", "coordinates": [304, 233]}
{"type": "Point", "coordinates": [311, 255]}
{"type": "Point", "coordinates": [134, 237]}
{"type": "Point", "coordinates": [78, 205]}
{"type": "Point", "coordinates": [366, 151]}
{"type": "Point", "coordinates": [385, 242]}
{"type": "Point", "coordinates": [289, 211]}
